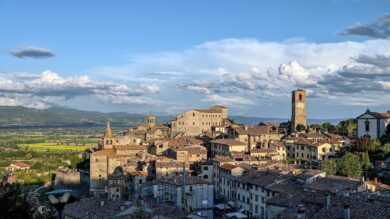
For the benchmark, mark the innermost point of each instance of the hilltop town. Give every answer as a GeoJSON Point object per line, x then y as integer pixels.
{"type": "Point", "coordinates": [203, 165]}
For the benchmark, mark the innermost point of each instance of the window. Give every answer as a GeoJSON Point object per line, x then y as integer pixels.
{"type": "Point", "coordinates": [205, 176]}
{"type": "Point", "coordinates": [324, 150]}
{"type": "Point", "coordinates": [206, 168]}
{"type": "Point", "coordinates": [367, 123]}
{"type": "Point", "coordinates": [193, 123]}
{"type": "Point", "coordinates": [300, 97]}
{"type": "Point", "coordinates": [140, 181]}
{"type": "Point", "coordinates": [302, 147]}
{"type": "Point", "coordinates": [193, 114]}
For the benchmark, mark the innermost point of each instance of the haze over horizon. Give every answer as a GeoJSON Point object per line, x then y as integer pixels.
{"type": "Point", "coordinates": [246, 55]}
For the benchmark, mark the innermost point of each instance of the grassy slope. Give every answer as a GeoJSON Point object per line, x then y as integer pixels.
{"type": "Point", "coordinates": [52, 146]}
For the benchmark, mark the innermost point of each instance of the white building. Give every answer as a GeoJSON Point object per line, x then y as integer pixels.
{"type": "Point", "coordinates": [372, 124]}
{"type": "Point", "coordinates": [198, 194]}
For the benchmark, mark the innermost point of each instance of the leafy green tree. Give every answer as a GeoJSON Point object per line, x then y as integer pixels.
{"type": "Point", "coordinates": [28, 156]}
{"type": "Point", "coordinates": [329, 166]}
{"type": "Point", "coordinates": [346, 127]}
{"type": "Point", "coordinates": [386, 148]}
{"type": "Point", "coordinates": [37, 166]}
{"type": "Point", "coordinates": [74, 160]}
{"type": "Point", "coordinates": [300, 128]}
{"type": "Point", "coordinates": [349, 165]}
{"type": "Point", "coordinates": [366, 164]}
{"type": "Point", "coordinates": [375, 145]}
{"type": "Point", "coordinates": [14, 202]}
{"type": "Point", "coordinates": [329, 127]}
{"type": "Point", "coordinates": [315, 126]}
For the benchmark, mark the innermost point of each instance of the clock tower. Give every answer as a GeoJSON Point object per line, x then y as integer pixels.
{"type": "Point", "coordinates": [298, 109]}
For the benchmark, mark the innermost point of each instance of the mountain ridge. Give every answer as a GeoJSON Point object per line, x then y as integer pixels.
{"type": "Point", "coordinates": [14, 116]}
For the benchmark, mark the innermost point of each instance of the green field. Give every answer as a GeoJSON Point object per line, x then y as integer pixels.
{"type": "Point", "coordinates": [53, 146]}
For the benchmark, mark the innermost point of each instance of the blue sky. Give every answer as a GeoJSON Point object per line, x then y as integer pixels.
{"type": "Point", "coordinates": [166, 56]}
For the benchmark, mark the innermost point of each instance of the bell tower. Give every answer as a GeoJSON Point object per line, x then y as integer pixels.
{"type": "Point", "coordinates": [150, 120]}
{"type": "Point", "coordinates": [108, 137]}
{"type": "Point", "coordinates": [298, 115]}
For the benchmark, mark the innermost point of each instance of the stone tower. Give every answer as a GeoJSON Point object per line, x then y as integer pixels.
{"type": "Point", "coordinates": [298, 115]}
{"type": "Point", "coordinates": [108, 137]}
{"type": "Point", "coordinates": [150, 120]}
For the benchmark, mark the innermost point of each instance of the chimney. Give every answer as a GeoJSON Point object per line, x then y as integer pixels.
{"type": "Point", "coordinates": [327, 202]}
{"type": "Point", "coordinates": [347, 211]}
{"type": "Point", "coordinates": [301, 211]}
{"type": "Point", "coordinates": [246, 127]}
{"type": "Point", "coordinates": [375, 180]}
{"type": "Point", "coordinates": [101, 203]}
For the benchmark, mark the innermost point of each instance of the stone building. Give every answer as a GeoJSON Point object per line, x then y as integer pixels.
{"type": "Point", "coordinates": [372, 124]}
{"type": "Point", "coordinates": [196, 121]}
{"type": "Point", "coordinates": [165, 167]}
{"type": "Point", "coordinates": [118, 185]}
{"type": "Point", "coordinates": [104, 162]}
{"type": "Point", "coordinates": [254, 136]}
{"type": "Point", "coordinates": [298, 115]}
{"type": "Point", "coordinates": [225, 147]}
{"type": "Point", "coordinates": [142, 134]}
{"type": "Point", "coordinates": [190, 193]}
{"type": "Point", "coordinates": [191, 154]}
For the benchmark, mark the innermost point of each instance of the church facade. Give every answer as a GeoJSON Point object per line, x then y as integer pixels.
{"type": "Point", "coordinates": [372, 124]}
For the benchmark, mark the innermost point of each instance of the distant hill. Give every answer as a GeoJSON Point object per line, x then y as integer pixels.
{"type": "Point", "coordinates": [22, 116]}
{"type": "Point", "coordinates": [18, 116]}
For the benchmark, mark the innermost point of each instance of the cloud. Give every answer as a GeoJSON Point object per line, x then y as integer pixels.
{"type": "Point", "coordinates": [380, 28]}
{"type": "Point", "coordinates": [228, 100]}
{"type": "Point", "coordinates": [32, 52]}
{"type": "Point", "coordinates": [378, 60]}
{"type": "Point", "coordinates": [49, 88]}
{"type": "Point", "coordinates": [364, 82]}
{"type": "Point", "coordinates": [264, 71]}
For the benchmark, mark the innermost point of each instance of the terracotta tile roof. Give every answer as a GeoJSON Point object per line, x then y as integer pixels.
{"type": "Point", "coordinates": [265, 178]}
{"type": "Point", "coordinates": [222, 159]}
{"type": "Point", "coordinates": [228, 166]}
{"type": "Point", "coordinates": [262, 150]}
{"type": "Point", "coordinates": [138, 173]}
{"type": "Point", "coordinates": [184, 141]}
{"type": "Point", "coordinates": [364, 206]}
{"type": "Point", "coordinates": [334, 184]}
{"type": "Point", "coordinates": [310, 173]}
{"type": "Point", "coordinates": [194, 149]}
{"type": "Point", "coordinates": [105, 152]}
{"type": "Point", "coordinates": [381, 115]}
{"type": "Point", "coordinates": [227, 142]}
{"type": "Point", "coordinates": [130, 147]}
{"type": "Point", "coordinates": [291, 198]}
{"type": "Point", "coordinates": [91, 208]}
{"type": "Point", "coordinates": [255, 130]}
{"type": "Point", "coordinates": [21, 164]}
